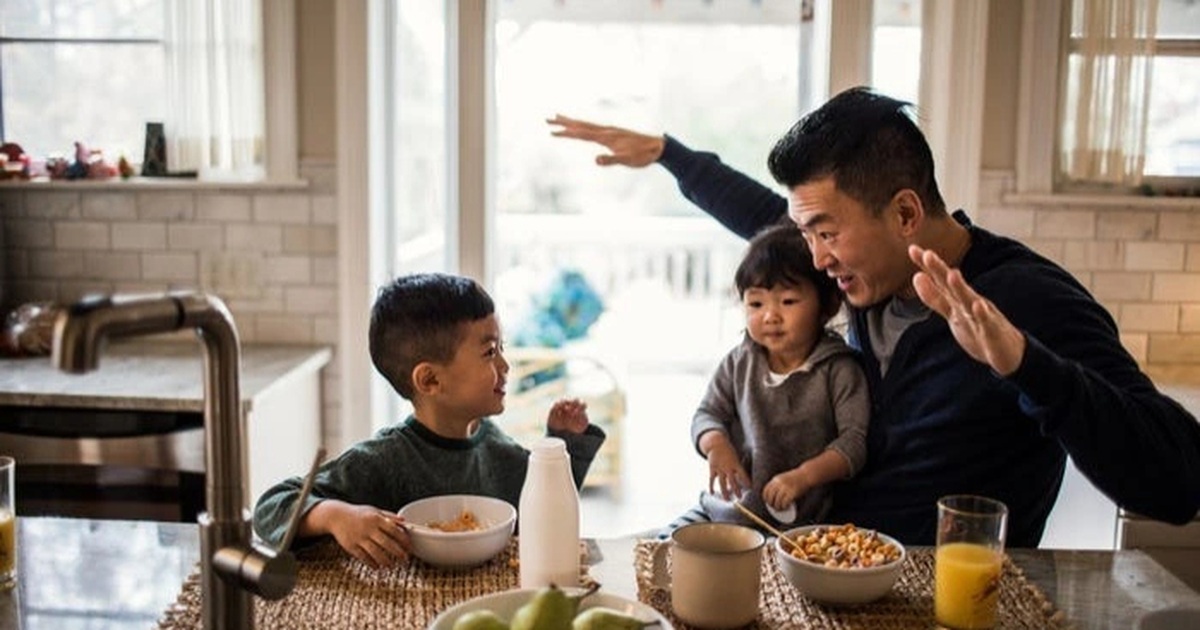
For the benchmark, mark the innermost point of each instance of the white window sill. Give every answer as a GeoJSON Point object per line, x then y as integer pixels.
{"type": "Point", "coordinates": [138, 184]}
{"type": "Point", "coordinates": [1122, 202]}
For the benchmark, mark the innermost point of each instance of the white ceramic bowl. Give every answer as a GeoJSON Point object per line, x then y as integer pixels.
{"type": "Point", "coordinates": [459, 549]}
{"type": "Point", "coordinates": [837, 586]}
{"type": "Point", "coordinates": [506, 603]}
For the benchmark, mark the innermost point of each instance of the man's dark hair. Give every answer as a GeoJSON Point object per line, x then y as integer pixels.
{"type": "Point", "coordinates": [778, 255]}
{"type": "Point", "coordinates": [419, 318]}
{"type": "Point", "coordinates": [868, 142]}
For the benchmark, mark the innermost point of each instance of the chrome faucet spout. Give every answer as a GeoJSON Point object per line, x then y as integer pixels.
{"type": "Point", "coordinates": [231, 564]}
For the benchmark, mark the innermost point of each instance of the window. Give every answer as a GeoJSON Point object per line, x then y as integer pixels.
{"type": "Point", "coordinates": [97, 71]}
{"type": "Point", "coordinates": [1173, 132]}
{"type": "Point", "coordinates": [1131, 90]}
{"type": "Point", "coordinates": [88, 71]}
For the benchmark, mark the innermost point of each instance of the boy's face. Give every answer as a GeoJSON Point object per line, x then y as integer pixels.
{"type": "Point", "coordinates": [786, 320]}
{"type": "Point", "coordinates": [473, 381]}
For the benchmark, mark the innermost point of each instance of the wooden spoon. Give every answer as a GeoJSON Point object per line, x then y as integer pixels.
{"type": "Point", "coordinates": [754, 517]}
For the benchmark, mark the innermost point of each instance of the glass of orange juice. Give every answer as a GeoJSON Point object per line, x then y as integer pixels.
{"type": "Point", "coordinates": [8, 524]}
{"type": "Point", "coordinates": [967, 564]}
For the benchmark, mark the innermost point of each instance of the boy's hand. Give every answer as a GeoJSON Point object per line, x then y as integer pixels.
{"type": "Point", "coordinates": [375, 536]}
{"type": "Point", "coordinates": [725, 469]}
{"type": "Point", "coordinates": [568, 415]}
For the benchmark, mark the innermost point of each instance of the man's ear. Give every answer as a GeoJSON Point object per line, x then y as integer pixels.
{"type": "Point", "coordinates": [910, 212]}
{"type": "Point", "coordinates": [425, 378]}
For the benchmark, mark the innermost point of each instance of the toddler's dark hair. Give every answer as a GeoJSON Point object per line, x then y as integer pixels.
{"type": "Point", "coordinates": [418, 318]}
{"type": "Point", "coordinates": [778, 255]}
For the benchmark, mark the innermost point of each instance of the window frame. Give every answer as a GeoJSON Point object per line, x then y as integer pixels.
{"type": "Point", "coordinates": [1045, 33]}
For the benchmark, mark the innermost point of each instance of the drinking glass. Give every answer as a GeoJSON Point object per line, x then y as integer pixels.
{"type": "Point", "coordinates": [8, 524]}
{"type": "Point", "coordinates": [968, 561]}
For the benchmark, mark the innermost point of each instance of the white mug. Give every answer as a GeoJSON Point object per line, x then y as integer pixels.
{"type": "Point", "coordinates": [715, 574]}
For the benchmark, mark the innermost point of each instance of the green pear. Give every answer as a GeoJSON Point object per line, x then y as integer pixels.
{"type": "Point", "coordinates": [480, 620]}
{"type": "Point", "coordinates": [602, 618]}
{"type": "Point", "coordinates": [550, 609]}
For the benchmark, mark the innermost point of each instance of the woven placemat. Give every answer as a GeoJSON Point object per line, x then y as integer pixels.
{"type": "Point", "coordinates": [334, 591]}
{"type": "Point", "coordinates": [909, 605]}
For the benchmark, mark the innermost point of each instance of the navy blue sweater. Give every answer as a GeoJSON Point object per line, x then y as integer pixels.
{"type": "Point", "coordinates": [943, 423]}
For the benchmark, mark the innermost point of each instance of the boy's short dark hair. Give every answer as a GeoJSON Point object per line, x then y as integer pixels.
{"type": "Point", "coordinates": [418, 318]}
{"type": "Point", "coordinates": [778, 255]}
{"type": "Point", "coordinates": [868, 142]}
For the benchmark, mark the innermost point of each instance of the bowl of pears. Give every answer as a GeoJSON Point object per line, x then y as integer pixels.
{"type": "Point", "coordinates": [550, 608]}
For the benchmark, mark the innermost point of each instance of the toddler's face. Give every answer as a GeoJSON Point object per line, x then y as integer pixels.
{"type": "Point", "coordinates": [475, 379]}
{"type": "Point", "coordinates": [786, 320]}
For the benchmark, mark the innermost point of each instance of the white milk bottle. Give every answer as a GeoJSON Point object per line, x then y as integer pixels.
{"type": "Point", "coordinates": [548, 518]}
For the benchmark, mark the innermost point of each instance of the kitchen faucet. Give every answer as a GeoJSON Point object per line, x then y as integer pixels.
{"type": "Point", "coordinates": [231, 564]}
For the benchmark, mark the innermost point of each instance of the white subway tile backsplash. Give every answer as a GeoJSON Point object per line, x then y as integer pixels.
{"type": "Point", "coordinates": [196, 236]}
{"type": "Point", "coordinates": [312, 300]}
{"type": "Point", "coordinates": [109, 206]}
{"type": "Point", "coordinates": [309, 239]}
{"type": "Point", "coordinates": [1179, 226]}
{"type": "Point", "coordinates": [1154, 256]}
{"type": "Point", "coordinates": [1121, 286]}
{"type": "Point", "coordinates": [113, 266]}
{"type": "Point", "coordinates": [1193, 257]}
{"type": "Point", "coordinates": [1009, 221]}
{"type": "Point", "coordinates": [248, 237]}
{"type": "Point", "coordinates": [52, 205]}
{"type": "Point", "coordinates": [54, 265]}
{"type": "Point", "coordinates": [31, 233]}
{"type": "Point", "coordinates": [173, 267]}
{"type": "Point", "coordinates": [269, 300]}
{"type": "Point", "coordinates": [81, 235]}
{"type": "Point", "coordinates": [166, 206]}
{"type": "Point", "coordinates": [1189, 318]}
{"type": "Point", "coordinates": [1176, 287]}
{"type": "Point", "coordinates": [1126, 225]}
{"type": "Point", "coordinates": [283, 329]}
{"type": "Point", "coordinates": [1065, 224]}
{"type": "Point", "coordinates": [1092, 255]}
{"type": "Point", "coordinates": [1166, 348]}
{"type": "Point", "coordinates": [223, 208]}
{"type": "Point", "coordinates": [16, 263]}
{"type": "Point", "coordinates": [288, 270]}
{"type": "Point", "coordinates": [289, 209]}
{"type": "Point", "coordinates": [139, 236]}
{"type": "Point", "coordinates": [30, 290]}
{"type": "Point", "coordinates": [1149, 317]}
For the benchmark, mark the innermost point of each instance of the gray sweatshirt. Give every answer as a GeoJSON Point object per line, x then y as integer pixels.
{"type": "Point", "coordinates": [776, 427]}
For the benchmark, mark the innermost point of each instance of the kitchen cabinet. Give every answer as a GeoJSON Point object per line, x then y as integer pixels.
{"type": "Point", "coordinates": [127, 440]}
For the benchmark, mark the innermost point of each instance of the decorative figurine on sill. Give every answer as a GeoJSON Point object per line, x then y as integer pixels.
{"type": "Point", "coordinates": [14, 162]}
{"type": "Point", "coordinates": [56, 167]}
{"type": "Point", "coordinates": [125, 168]}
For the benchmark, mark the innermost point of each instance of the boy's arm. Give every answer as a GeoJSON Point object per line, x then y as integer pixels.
{"type": "Point", "coordinates": [374, 536]}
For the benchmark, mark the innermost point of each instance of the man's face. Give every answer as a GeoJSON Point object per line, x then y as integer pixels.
{"type": "Point", "coordinates": [865, 253]}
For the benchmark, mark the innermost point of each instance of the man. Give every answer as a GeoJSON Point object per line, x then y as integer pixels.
{"type": "Point", "coordinates": [1020, 368]}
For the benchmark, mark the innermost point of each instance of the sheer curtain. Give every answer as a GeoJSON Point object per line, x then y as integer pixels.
{"type": "Point", "coordinates": [214, 75]}
{"type": "Point", "coordinates": [1108, 90]}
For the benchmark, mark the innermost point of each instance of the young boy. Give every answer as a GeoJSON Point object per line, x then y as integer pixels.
{"type": "Point", "coordinates": [786, 412]}
{"type": "Point", "coordinates": [436, 340]}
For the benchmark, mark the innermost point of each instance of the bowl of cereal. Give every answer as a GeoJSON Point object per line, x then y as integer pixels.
{"type": "Point", "coordinates": [840, 564]}
{"type": "Point", "coordinates": [459, 530]}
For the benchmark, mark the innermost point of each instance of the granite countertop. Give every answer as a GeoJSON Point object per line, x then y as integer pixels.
{"type": "Point", "coordinates": [144, 564]}
{"type": "Point", "coordinates": [150, 376]}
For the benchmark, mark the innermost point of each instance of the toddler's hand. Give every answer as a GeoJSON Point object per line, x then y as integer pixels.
{"type": "Point", "coordinates": [372, 535]}
{"type": "Point", "coordinates": [727, 471]}
{"type": "Point", "coordinates": [569, 414]}
{"type": "Point", "coordinates": [782, 491]}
